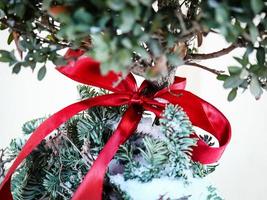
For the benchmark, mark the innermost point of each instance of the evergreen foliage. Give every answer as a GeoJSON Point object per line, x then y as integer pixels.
{"type": "Point", "coordinates": [30, 126]}
{"type": "Point", "coordinates": [56, 168]}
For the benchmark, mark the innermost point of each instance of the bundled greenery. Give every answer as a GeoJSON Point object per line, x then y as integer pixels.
{"type": "Point", "coordinates": [56, 168]}
{"type": "Point", "coordinates": [149, 38]}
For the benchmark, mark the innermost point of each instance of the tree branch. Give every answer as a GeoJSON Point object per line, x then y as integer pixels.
{"type": "Point", "coordinates": [214, 71]}
{"type": "Point", "coordinates": [157, 71]}
{"type": "Point", "coordinates": [214, 54]}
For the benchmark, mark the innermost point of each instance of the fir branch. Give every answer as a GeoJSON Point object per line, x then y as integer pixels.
{"type": "Point", "coordinates": [30, 126]}
{"type": "Point", "coordinates": [155, 152]}
{"type": "Point", "coordinates": [3, 162]}
{"type": "Point", "coordinates": [86, 92]}
{"type": "Point", "coordinates": [200, 170]}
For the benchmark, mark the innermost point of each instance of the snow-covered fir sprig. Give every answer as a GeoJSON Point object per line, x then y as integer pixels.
{"type": "Point", "coordinates": [177, 128]}
{"type": "Point", "coordinates": [170, 156]}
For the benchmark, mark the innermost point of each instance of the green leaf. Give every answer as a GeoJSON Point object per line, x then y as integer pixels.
{"type": "Point", "coordinates": [6, 56]}
{"type": "Point", "coordinates": [41, 73]}
{"type": "Point", "coordinates": [222, 77]}
{"type": "Point", "coordinates": [244, 73]}
{"type": "Point", "coordinates": [116, 4]}
{"type": "Point", "coordinates": [126, 42]}
{"type": "Point", "coordinates": [128, 20]}
{"type": "Point", "coordinates": [59, 61]}
{"type": "Point", "coordinates": [82, 16]}
{"type": "Point", "coordinates": [243, 61]}
{"type": "Point", "coordinates": [20, 9]}
{"type": "Point", "coordinates": [142, 52]}
{"type": "Point", "coordinates": [222, 14]}
{"type": "Point", "coordinates": [2, 14]}
{"type": "Point", "coordinates": [155, 48]}
{"type": "Point", "coordinates": [253, 32]}
{"type": "Point", "coordinates": [257, 5]}
{"type": "Point", "coordinates": [10, 38]}
{"type": "Point", "coordinates": [255, 87]}
{"type": "Point", "coordinates": [16, 69]}
{"type": "Point", "coordinates": [254, 68]}
{"type": "Point", "coordinates": [232, 82]}
{"type": "Point", "coordinates": [232, 94]}
{"type": "Point", "coordinates": [234, 70]}
{"type": "Point", "coordinates": [124, 57]}
{"type": "Point", "coordinates": [174, 60]}
{"type": "Point", "coordinates": [261, 56]}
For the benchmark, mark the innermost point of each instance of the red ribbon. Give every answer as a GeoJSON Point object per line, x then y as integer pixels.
{"type": "Point", "coordinates": [87, 71]}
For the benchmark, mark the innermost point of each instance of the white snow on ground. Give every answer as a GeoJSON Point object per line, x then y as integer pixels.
{"type": "Point", "coordinates": [169, 187]}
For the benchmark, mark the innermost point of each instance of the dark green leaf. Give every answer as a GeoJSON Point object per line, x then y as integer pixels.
{"type": "Point", "coordinates": [243, 61]}
{"type": "Point", "coordinates": [59, 61]}
{"type": "Point", "coordinates": [261, 56]}
{"type": "Point", "coordinates": [6, 56]}
{"type": "Point", "coordinates": [20, 9]}
{"type": "Point", "coordinates": [234, 70]}
{"type": "Point", "coordinates": [232, 94]}
{"type": "Point", "coordinates": [254, 68]}
{"type": "Point", "coordinates": [41, 73]}
{"type": "Point", "coordinates": [10, 38]}
{"type": "Point", "coordinates": [222, 77]}
{"type": "Point", "coordinates": [16, 69]}
{"type": "Point", "coordinates": [257, 5]}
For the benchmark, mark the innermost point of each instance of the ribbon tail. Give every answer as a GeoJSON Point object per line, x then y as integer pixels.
{"type": "Point", "coordinates": [51, 124]}
{"type": "Point", "coordinates": [92, 185]}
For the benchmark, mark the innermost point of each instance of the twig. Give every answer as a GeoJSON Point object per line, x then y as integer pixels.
{"type": "Point", "coordinates": [214, 71]}
{"type": "Point", "coordinates": [44, 40]}
{"type": "Point", "coordinates": [215, 54]}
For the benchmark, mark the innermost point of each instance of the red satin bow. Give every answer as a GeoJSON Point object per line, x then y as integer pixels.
{"type": "Point", "coordinates": [87, 71]}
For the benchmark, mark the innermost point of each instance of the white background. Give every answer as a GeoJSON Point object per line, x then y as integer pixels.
{"type": "Point", "coordinates": [243, 168]}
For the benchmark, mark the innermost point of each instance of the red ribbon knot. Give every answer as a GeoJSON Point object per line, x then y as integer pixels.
{"type": "Point", "coordinates": [136, 98]}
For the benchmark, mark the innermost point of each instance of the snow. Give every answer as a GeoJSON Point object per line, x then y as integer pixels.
{"type": "Point", "coordinates": [145, 126]}
{"type": "Point", "coordinates": [164, 186]}
{"type": "Point", "coordinates": [168, 187]}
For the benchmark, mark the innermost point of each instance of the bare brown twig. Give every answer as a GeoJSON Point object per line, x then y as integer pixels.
{"type": "Point", "coordinates": [214, 71]}
{"type": "Point", "coordinates": [216, 54]}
